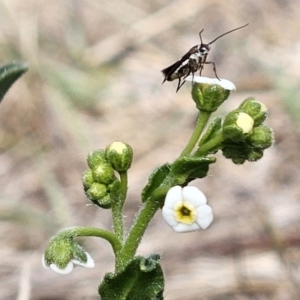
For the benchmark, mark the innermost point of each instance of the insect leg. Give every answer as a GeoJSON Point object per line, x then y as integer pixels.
{"type": "Point", "coordinates": [180, 84]}
{"type": "Point", "coordinates": [214, 68]}
{"type": "Point", "coordinates": [201, 68]}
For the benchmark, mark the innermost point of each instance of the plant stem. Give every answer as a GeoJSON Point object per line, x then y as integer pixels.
{"type": "Point", "coordinates": [211, 144]}
{"type": "Point", "coordinates": [77, 231]}
{"type": "Point", "coordinates": [201, 122]}
{"type": "Point", "coordinates": [117, 206]}
{"type": "Point", "coordinates": [144, 216]}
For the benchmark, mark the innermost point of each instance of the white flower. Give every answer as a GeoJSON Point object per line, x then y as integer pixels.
{"type": "Point", "coordinates": [224, 83]}
{"type": "Point", "coordinates": [185, 209]}
{"type": "Point", "coordinates": [69, 267]}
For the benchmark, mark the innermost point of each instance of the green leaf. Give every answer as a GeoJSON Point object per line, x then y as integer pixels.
{"type": "Point", "coordinates": [9, 74]}
{"type": "Point", "coordinates": [142, 279]}
{"type": "Point", "coordinates": [156, 180]}
{"type": "Point", "coordinates": [189, 168]}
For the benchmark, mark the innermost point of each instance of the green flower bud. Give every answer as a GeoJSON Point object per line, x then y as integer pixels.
{"type": "Point", "coordinates": [95, 158]}
{"type": "Point", "coordinates": [103, 173]}
{"type": "Point", "coordinates": [237, 125]}
{"type": "Point", "coordinates": [255, 154]}
{"type": "Point", "coordinates": [261, 137]}
{"type": "Point", "coordinates": [105, 202]}
{"type": "Point", "coordinates": [241, 151]}
{"type": "Point", "coordinates": [98, 194]}
{"type": "Point", "coordinates": [208, 97]}
{"type": "Point", "coordinates": [119, 155]}
{"type": "Point", "coordinates": [63, 253]}
{"type": "Point", "coordinates": [257, 110]}
{"type": "Point", "coordinates": [96, 191]}
{"type": "Point", "coordinates": [59, 252]}
{"type": "Point", "coordinates": [237, 152]}
{"type": "Point", "coordinates": [87, 178]}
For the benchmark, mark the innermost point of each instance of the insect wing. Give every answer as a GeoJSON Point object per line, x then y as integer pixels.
{"type": "Point", "coordinates": [179, 68]}
{"type": "Point", "coordinates": [170, 72]}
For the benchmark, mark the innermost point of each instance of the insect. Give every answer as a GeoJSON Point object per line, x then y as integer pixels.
{"type": "Point", "coordinates": [193, 61]}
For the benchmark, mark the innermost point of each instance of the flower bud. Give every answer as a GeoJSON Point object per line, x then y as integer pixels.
{"type": "Point", "coordinates": [103, 173]}
{"type": "Point", "coordinates": [208, 97]}
{"type": "Point", "coordinates": [87, 178]}
{"type": "Point", "coordinates": [98, 194]}
{"type": "Point", "coordinates": [119, 155]}
{"type": "Point", "coordinates": [257, 110]}
{"type": "Point", "coordinates": [237, 125]}
{"type": "Point", "coordinates": [261, 137]}
{"type": "Point", "coordinates": [255, 154]}
{"type": "Point", "coordinates": [95, 158]}
{"type": "Point", "coordinates": [63, 253]}
{"type": "Point", "coordinates": [237, 152]}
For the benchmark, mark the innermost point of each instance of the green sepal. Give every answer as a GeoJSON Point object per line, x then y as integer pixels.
{"type": "Point", "coordinates": [262, 137]}
{"type": "Point", "coordinates": [9, 74]}
{"type": "Point", "coordinates": [211, 131]}
{"type": "Point", "coordinates": [156, 180]}
{"type": "Point", "coordinates": [257, 110]}
{"type": "Point", "coordinates": [241, 151]}
{"type": "Point", "coordinates": [59, 251]}
{"type": "Point", "coordinates": [141, 279]}
{"type": "Point", "coordinates": [186, 169]}
{"type": "Point", "coordinates": [208, 97]}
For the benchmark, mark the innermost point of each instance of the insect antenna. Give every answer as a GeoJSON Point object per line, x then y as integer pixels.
{"type": "Point", "coordinates": [200, 36]}
{"type": "Point", "coordinates": [223, 33]}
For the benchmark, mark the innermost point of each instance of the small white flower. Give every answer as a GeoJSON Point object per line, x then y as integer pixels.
{"type": "Point", "coordinates": [69, 267]}
{"type": "Point", "coordinates": [224, 83]}
{"type": "Point", "coordinates": [185, 209]}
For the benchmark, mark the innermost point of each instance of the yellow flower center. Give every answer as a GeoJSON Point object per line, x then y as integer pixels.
{"type": "Point", "coordinates": [185, 213]}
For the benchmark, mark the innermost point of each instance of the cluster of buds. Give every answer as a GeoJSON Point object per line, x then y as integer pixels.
{"type": "Point", "coordinates": [245, 137]}
{"type": "Point", "coordinates": [242, 135]}
{"type": "Point", "coordinates": [99, 181]}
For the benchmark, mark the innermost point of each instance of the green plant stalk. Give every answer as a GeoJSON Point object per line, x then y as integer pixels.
{"type": "Point", "coordinates": [142, 220]}
{"type": "Point", "coordinates": [77, 231]}
{"type": "Point", "coordinates": [124, 185]}
{"type": "Point", "coordinates": [211, 144]}
{"type": "Point", "coordinates": [201, 123]}
{"type": "Point", "coordinates": [117, 206]}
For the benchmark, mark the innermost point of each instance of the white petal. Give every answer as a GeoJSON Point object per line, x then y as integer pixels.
{"type": "Point", "coordinates": [89, 264]}
{"type": "Point", "coordinates": [194, 196]}
{"type": "Point", "coordinates": [203, 211]}
{"type": "Point", "coordinates": [174, 195]}
{"type": "Point", "coordinates": [169, 216]}
{"type": "Point", "coordinates": [44, 263]}
{"type": "Point", "coordinates": [204, 216]}
{"type": "Point", "coordinates": [68, 269]}
{"type": "Point", "coordinates": [181, 227]}
{"type": "Point", "coordinates": [224, 83]}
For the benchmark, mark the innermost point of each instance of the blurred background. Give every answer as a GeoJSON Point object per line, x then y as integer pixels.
{"type": "Point", "coordinates": [94, 78]}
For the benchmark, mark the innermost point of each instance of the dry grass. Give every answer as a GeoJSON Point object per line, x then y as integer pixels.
{"type": "Point", "coordinates": [94, 78]}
